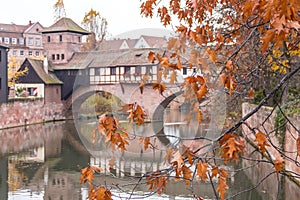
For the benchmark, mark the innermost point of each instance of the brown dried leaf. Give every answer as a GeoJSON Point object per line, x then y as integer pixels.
{"type": "Point", "coordinates": [146, 143]}
{"type": "Point", "coordinates": [222, 186]}
{"type": "Point", "coordinates": [202, 171]}
{"type": "Point", "coordinates": [187, 174]}
{"type": "Point", "coordinates": [262, 141]}
{"type": "Point", "coordinates": [279, 164]}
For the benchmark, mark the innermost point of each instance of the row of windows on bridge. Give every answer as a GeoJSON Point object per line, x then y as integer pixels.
{"type": "Point", "coordinates": [113, 71]}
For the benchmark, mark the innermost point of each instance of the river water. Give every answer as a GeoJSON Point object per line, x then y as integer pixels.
{"type": "Point", "coordinates": [44, 161]}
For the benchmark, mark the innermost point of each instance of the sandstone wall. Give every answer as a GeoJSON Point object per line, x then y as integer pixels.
{"type": "Point", "coordinates": [259, 122]}
{"type": "Point", "coordinates": [31, 111]}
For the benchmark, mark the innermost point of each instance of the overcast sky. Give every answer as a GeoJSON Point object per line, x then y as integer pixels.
{"type": "Point", "coordinates": [122, 15]}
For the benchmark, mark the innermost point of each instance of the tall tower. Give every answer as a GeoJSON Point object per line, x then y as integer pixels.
{"type": "Point", "coordinates": [62, 40]}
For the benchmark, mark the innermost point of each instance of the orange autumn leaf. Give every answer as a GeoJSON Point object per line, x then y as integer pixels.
{"type": "Point", "coordinates": [87, 174]}
{"type": "Point", "coordinates": [160, 87]}
{"type": "Point", "coordinates": [136, 114]}
{"type": "Point", "coordinates": [251, 93]}
{"type": "Point", "coordinates": [222, 186]}
{"type": "Point", "coordinates": [202, 171]}
{"type": "Point", "coordinates": [212, 54]}
{"type": "Point", "coordinates": [188, 153]}
{"type": "Point", "coordinates": [151, 57]}
{"type": "Point", "coordinates": [262, 141]}
{"type": "Point", "coordinates": [214, 171]}
{"type": "Point", "coordinates": [229, 84]}
{"type": "Point", "coordinates": [231, 147]}
{"type": "Point", "coordinates": [146, 143]}
{"type": "Point", "coordinates": [157, 181]}
{"type": "Point", "coordinates": [177, 160]}
{"type": "Point", "coordinates": [100, 193]}
{"type": "Point", "coordinates": [187, 174]}
{"type": "Point", "coordinates": [229, 65]}
{"type": "Point", "coordinates": [200, 116]}
{"type": "Point", "coordinates": [202, 91]}
{"type": "Point", "coordinates": [279, 164]}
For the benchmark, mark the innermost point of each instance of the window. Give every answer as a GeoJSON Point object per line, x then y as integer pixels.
{"type": "Point", "coordinates": [6, 40]}
{"type": "Point", "coordinates": [57, 56]}
{"type": "Point", "coordinates": [53, 56]}
{"type": "Point", "coordinates": [60, 38]}
{"type": "Point", "coordinates": [21, 41]}
{"type": "Point", "coordinates": [79, 39]}
{"type": "Point", "coordinates": [113, 70]}
{"type": "Point", "coordinates": [0, 39]}
{"type": "Point", "coordinates": [97, 71]}
{"type": "Point", "coordinates": [30, 41]}
{"type": "Point", "coordinates": [127, 70]}
{"type": "Point", "coordinates": [92, 71]}
{"type": "Point", "coordinates": [37, 42]}
{"type": "Point", "coordinates": [148, 69]}
{"type": "Point", "coordinates": [48, 39]}
{"type": "Point", "coordinates": [21, 52]}
{"type": "Point", "coordinates": [37, 53]}
{"type": "Point", "coordinates": [0, 83]}
{"type": "Point", "coordinates": [138, 70]}
{"type": "Point", "coordinates": [14, 40]}
{"type": "Point", "coordinates": [62, 56]}
{"type": "Point", "coordinates": [30, 53]}
{"type": "Point", "coordinates": [14, 52]}
{"type": "Point", "coordinates": [184, 71]}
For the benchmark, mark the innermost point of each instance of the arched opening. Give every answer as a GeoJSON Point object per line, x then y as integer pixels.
{"type": "Point", "coordinates": [93, 103]}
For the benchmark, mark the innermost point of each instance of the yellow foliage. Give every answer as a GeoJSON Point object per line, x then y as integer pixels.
{"type": "Point", "coordinates": [13, 73]}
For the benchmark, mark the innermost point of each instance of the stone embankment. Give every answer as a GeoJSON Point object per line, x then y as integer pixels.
{"type": "Point", "coordinates": [20, 112]}
{"type": "Point", "coordinates": [286, 141]}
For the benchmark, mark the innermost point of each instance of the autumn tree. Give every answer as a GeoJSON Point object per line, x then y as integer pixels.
{"type": "Point", "coordinates": [59, 10]}
{"type": "Point", "coordinates": [97, 25]}
{"type": "Point", "coordinates": [14, 72]}
{"type": "Point", "coordinates": [235, 45]}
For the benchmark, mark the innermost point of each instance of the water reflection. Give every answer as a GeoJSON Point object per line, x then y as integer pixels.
{"type": "Point", "coordinates": [43, 162]}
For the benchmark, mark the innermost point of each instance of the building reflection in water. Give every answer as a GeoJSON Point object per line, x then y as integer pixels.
{"type": "Point", "coordinates": [33, 163]}
{"type": "Point", "coordinates": [44, 161]}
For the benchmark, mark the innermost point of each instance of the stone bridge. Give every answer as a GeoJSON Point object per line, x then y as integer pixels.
{"type": "Point", "coordinates": [152, 101]}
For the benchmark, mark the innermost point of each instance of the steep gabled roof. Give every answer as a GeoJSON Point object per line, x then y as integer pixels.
{"type": "Point", "coordinates": [48, 78]}
{"type": "Point", "coordinates": [32, 26]}
{"type": "Point", "coordinates": [155, 42]}
{"type": "Point", "coordinates": [13, 28]}
{"type": "Point", "coordinates": [65, 25]}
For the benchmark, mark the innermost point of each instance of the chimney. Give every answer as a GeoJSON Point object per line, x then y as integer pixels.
{"type": "Point", "coordinates": [45, 64]}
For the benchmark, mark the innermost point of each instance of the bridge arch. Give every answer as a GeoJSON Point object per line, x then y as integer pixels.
{"type": "Point", "coordinates": [153, 103]}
